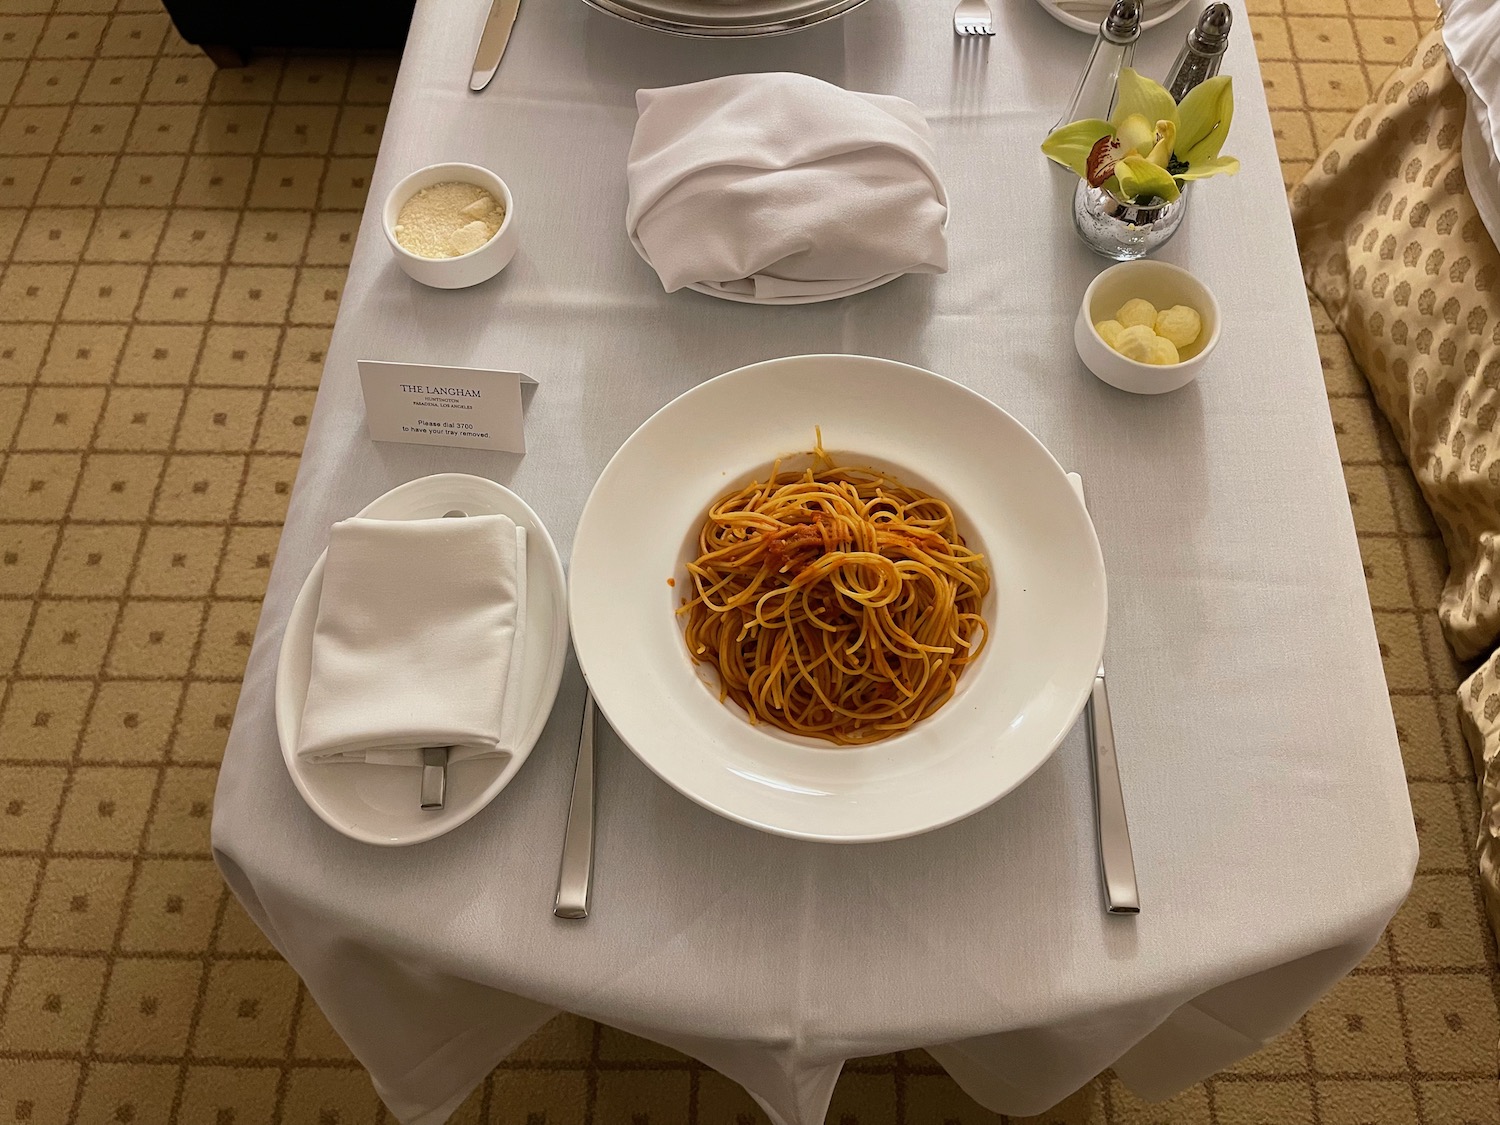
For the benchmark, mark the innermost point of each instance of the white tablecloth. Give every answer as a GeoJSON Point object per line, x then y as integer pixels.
{"type": "Point", "coordinates": [1271, 825]}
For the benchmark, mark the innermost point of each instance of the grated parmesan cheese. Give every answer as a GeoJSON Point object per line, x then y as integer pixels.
{"type": "Point", "coordinates": [448, 219]}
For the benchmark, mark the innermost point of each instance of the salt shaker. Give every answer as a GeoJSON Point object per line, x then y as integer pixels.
{"type": "Point", "coordinates": [1114, 47]}
{"type": "Point", "coordinates": [1204, 51]}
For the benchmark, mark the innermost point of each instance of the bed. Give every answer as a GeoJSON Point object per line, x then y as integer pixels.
{"type": "Point", "coordinates": [1397, 224]}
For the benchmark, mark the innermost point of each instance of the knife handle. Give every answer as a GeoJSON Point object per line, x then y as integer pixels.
{"type": "Point", "coordinates": [575, 874]}
{"type": "Point", "coordinates": [434, 776]}
{"type": "Point", "coordinates": [1116, 860]}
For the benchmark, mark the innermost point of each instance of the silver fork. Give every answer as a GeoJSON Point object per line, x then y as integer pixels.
{"type": "Point", "coordinates": [972, 17]}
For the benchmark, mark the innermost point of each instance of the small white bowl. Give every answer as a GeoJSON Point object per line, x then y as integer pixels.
{"type": "Point", "coordinates": [1164, 286]}
{"type": "Point", "coordinates": [477, 265]}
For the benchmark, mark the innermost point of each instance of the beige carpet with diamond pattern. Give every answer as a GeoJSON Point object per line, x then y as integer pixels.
{"type": "Point", "coordinates": [173, 242]}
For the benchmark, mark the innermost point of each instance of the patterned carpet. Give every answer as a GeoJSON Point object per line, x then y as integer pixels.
{"type": "Point", "coordinates": [174, 241]}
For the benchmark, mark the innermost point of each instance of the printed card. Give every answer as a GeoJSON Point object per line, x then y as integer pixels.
{"type": "Point", "coordinates": [462, 407]}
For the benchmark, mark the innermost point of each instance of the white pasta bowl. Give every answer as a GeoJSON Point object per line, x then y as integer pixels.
{"type": "Point", "coordinates": [1164, 285]}
{"type": "Point", "coordinates": [1013, 705]}
{"type": "Point", "coordinates": [477, 265]}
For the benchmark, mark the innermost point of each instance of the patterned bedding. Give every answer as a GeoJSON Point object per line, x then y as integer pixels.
{"type": "Point", "coordinates": [1394, 246]}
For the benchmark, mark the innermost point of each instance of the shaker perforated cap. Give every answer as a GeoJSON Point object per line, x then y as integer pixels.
{"type": "Point", "coordinates": [1123, 24]}
{"type": "Point", "coordinates": [1211, 35]}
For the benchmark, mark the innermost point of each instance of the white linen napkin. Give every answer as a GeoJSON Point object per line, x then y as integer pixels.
{"type": "Point", "coordinates": [775, 185]}
{"type": "Point", "coordinates": [419, 641]}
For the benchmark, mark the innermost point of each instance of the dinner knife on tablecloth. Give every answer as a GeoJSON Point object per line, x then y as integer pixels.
{"type": "Point", "coordinates": [575, 875]}
{"type": "Point", "coordinates": [492, 41]}
{"type": "Point", "coordinates": [1116, 859]}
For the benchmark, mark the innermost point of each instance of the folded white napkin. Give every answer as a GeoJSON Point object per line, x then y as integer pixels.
{"type": "Point", "coordinates": [776, 185]}
{"type": "Point", "coordinates": [419, 641]}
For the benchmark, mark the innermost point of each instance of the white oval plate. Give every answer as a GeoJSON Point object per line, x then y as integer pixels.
{"type": "Point", "coordinates": [379, 804]}
{"type": "Point", "coordinates": [715, 19]}
{"type": "Point", "coordinates": [1046, 609]}
{"type": "Point", "coordinates": [1086, 15]}
{"type": "Point", "coordinates": [855, 287]}
{"type": "Point", "coordinates": [814, 299]}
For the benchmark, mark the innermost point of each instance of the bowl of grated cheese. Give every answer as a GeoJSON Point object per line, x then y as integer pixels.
{"type": "Point", "coordinates": [451, 225]}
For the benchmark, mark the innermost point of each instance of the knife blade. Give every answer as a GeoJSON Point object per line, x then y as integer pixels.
{"type": "Point", "coordinates": [492, 41]}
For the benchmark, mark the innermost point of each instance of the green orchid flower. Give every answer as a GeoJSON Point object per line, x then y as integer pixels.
{"type": "Point", "coordinates": [1151, 144]}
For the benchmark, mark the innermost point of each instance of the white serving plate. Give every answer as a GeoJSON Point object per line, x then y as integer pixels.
{"type": "Point", "coordinates": [379, 804]}
{"type": "Point", "coordinates": [800, 299]}
{"type": "Point", "coordinates": [855, 287]}
{"type": "Point", "coordinates": [1046, 609]}
{"type": "Point", "coordinates": [720, 19]}
{"type": "Point", "coordinates": [1086, 15]}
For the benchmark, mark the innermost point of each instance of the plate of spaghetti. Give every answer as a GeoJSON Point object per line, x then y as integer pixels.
{"type": "Point", "coordinates": [837, 598]}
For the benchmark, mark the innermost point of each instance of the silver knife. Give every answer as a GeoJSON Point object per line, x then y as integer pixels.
{"type": "Point", "coordinates": [575, 875]}
{"type": "Point", "coordinates": [492, 41]}
{"type": "Point", "coordinates": [434, 776]}
{"type": "Point", "coordinates": [435, 758]}
{"type": "Point", "coordinates": [1116, 859]}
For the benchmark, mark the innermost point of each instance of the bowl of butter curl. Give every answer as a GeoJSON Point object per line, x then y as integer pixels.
{"type": "Point", "coordinates": [451, 225]}
{"type": "Point", "coordinates": [1146, 327]}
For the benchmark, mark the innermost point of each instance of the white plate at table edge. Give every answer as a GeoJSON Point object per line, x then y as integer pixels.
{"type": "Point", "coordinates": [1014, 705]}
{"type": "Point", "coordinates": [855, 287]}
{"type": "Point", "coordinates": [546, 624]}
{"type": "Point", "coordinates": [1078, 23]}
{"type": "Point", "coordinates": [804, 299]}
{"type": "Point", "coordinates": [769, 21]}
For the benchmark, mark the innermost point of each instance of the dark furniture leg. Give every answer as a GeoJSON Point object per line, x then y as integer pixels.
{"type": "Point", "coordinates": [301, 25]}
{"type": "Point", "coordinates": [225, 57]}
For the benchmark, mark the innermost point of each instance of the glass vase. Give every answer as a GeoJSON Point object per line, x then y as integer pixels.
{"type": "Point", "coordinates": [1123, 231]}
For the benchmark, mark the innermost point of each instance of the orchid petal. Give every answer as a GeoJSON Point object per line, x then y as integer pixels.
{"type": "Point", "coordinates": [1166, 135]}
{"type": "Point", "coordinates": [1137, 94]}
{"type": "Point", "coordinates": [1202, 169]}
{"type": "Point", "coordinates": [1070, 145]}
{"type": "Point", "coordinates": [1136, 133]}
{"type": "Point", "coordinates": [1204, 118]}
{"type": "Point", "coordinates": [1140, 179]}
{"type": "Point", "coordinates": [1105, 154]}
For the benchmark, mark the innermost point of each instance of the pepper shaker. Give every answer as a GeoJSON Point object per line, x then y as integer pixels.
{"type": "Point", "coordinates": [1114, 48]}
{"type": "Point", "coordinates": [1203, 52]}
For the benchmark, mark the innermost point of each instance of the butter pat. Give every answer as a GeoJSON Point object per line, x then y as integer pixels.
{"type": "Point", "coordinates": [1137, 342]}
{"type": "Point", "coordinates": [1137, 312]}
{"type": "Point", "coordinates": [1163, 352]}
{"type": "Point", "coordinates": [1109, 331]}
{"type": "Point", "coordinates": [448, 219]}
{"type": "Point", "coordinates": [1141, 333]}
{"type": "Point", "coordinates": [1180, 324]}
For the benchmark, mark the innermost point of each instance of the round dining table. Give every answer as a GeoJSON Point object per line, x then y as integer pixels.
{"type": "Point", "coordinates": [1272, 832]}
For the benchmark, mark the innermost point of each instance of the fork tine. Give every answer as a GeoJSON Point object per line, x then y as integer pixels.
{"type": "Point", "coordinates": [973, 18]}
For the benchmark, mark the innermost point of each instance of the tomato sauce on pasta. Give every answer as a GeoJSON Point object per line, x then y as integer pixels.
{"type": "Point", "coordinates": [835, 602]}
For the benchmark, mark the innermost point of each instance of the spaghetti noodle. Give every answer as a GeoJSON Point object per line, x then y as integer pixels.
{"type": "Point", "coordinates": [835, 602]}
